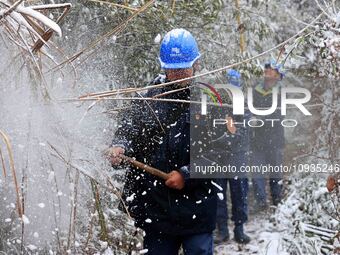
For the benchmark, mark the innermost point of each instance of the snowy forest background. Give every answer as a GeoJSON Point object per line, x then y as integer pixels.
{"type": "Point", "coordinates": [59, 195]}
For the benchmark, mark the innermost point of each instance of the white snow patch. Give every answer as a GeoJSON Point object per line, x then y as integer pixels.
{"type": "Point", "coordinates": [41, 205]}
{"type": "Point", "coordinates": [25, 220]}
{"type": "Point", "coordinates": [318, 193]}
{"type": "Point", "coordinates": [50, 177]}
{"type": "Point", "coordinates": [220, 196]}
{"type": "Point", "coordinates": [108, 251]}
{"type": "Point", "coordinates": [32, 247]}
{"type": "Point", "coordinates": [216, 185]}
{"type": "Point", "coordinates": [158, 39]}
{"type": "Point", "coordinates": [131, 198]}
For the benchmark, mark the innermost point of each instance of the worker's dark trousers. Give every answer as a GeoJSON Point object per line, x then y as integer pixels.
{"type": "Point", "coordinates": [238, 186]}
{"type": "Point", "coordinates": [273, 157]}
{"type": "Point", "coordinates": [198, 244]}
{"type": "Point", "coordinates": [239, 211]}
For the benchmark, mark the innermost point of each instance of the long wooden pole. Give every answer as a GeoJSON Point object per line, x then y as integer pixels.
{"type": "Point", "coordinates": [147, 168]}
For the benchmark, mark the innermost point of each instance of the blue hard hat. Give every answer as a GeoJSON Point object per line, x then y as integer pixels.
{"type": "Point", "coordinates": [234, 77]}
{"type": "Point", "coordinates": [178, 50]}
{"type": "Point", "coordinates": [274, 65]}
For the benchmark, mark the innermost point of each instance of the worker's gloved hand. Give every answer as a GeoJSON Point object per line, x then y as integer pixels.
{"type": "Point", "coordinates": [331, 183]}
{"type": "Point", "coordinates": [114, 155]}
{"type": "Point", "coordinates": [175, 180]}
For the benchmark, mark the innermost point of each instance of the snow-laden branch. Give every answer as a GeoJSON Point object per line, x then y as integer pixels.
{"type": "Point", "coordinates": [40, 17]}
{"type": "Point", "coordinates": [28, 11]}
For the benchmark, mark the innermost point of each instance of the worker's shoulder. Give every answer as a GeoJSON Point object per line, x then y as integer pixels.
{"type": "Point", "coordinates": [160, 78]}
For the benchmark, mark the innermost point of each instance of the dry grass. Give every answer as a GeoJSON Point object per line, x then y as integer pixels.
{"type": "Point", "coordinates": [13, 171]}
{"type": "Point", "coordinates": [25, 31]}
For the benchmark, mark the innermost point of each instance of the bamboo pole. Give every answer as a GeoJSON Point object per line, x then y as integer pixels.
{"type": "Point", "coordinates": [173, 6]}
{"type": "Point", "coordinates": [240, 26]}
{"type": "Point", "coordinates": [103, 229]}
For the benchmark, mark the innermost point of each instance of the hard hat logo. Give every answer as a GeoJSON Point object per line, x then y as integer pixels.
{"type": "Point", "coordinates": [175, 51]}
{"type": "Point", "coordinates": [178, 50]}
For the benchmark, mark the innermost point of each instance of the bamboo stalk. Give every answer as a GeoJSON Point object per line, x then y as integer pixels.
{"type": "Point", "coordinates": [74, 208]}
{"type": "Point", "coordinates": [108, 92]}
{"type": "Point", "coordinates": [90, 231]}
{"type": "Point", "coordinates": [176, 101]}
{"type": "Point", "coordinates": [57, 222]}
{"type": "Point", "coordinates": [103, 229]}
{"type": "Point", "coordinates": [171, 92]}
{"type": "Point", "coordinates": [240, 26]}
{"type": "Point", "coordinates": [173, 6]}
{"type": "Point", "coordinates": [11, 163]}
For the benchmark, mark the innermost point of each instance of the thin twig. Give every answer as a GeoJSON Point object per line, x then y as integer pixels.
{"type": "Point", "coordinates": [3, 164]}
{"type": "Point", "coordinates": [70, 100]}
{"type": "Point", "coordinates": [11, 163]}
{"type": "Point", "coordinates": [116, 5]}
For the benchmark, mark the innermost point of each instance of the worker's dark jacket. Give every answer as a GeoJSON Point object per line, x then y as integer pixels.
{"type": "Point", "coordinates": [225, 142]}
{"type": "Point", "coordinates": [267, 138]}
{"type": "Point", "coordinates": [154, 206]}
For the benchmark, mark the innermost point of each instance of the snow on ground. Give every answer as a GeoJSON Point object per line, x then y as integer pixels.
{"type": "Point", "coordinates": [265, 239]}
{"type": "Point", "coordinates": [304, 223]}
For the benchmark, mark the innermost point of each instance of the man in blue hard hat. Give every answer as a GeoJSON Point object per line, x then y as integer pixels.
{"type": "Point", "coordinates": [179, 211]}
{"type": "Point", "coordinates": [234, 150]}
{"type": "Point", "coordinates": [267, 142]}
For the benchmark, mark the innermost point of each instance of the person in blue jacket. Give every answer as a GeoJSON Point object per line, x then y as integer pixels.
{"type": "Point", "coordinates": [234, 148]}
{"type": "Point", "coordinates": [267, 142]}
{"type": "Point", "coordinates": [180, 211]}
